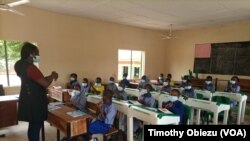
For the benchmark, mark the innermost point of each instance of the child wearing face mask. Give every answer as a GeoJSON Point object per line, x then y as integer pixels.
{"type": "Point", "coordinates": [111, 84]}
{"type": "Point", "coordinates": [120, 93]}
{"type": "Point", "coordinates": [184, 81]}
{"type": "Point", "coordinates": [188, 91]}
{"type": "Point", "coordinates": [125, 80]}
{"type": "Point", "coordinates": [209, 84]}
{"type": "Point", "coordinates": [166, 86]}
{"type": "Point", "coordinates": [79, 98]}
{"type": "Point", "coordinates": [175, 106]}
{"type": "Point", "coordinates": [73, 84]}
{"type": "Point", "coordinates": [144, 81]}
{"type": "Point", "coordinates": [105, 119]}
{"type": "Point", "coordinates": [97, 88]}
{"type": "Point", "coordinates": [160, 79]}
{"type": "Point", "coordinates": [233, 85]}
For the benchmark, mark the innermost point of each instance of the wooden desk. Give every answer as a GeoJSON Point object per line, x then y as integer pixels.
{"type": "Point", "coordinates": [67, 124]}
{"type": "Point", "coordinates": [61, 95]}
{"type": "Point", "coordinates": [8, 110]}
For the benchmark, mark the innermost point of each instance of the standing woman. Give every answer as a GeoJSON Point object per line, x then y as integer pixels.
{"type": "Point", "coordinates": [33, 105]}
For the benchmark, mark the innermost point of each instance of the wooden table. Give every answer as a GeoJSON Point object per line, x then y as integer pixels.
{"type": "Point", "coordinates": [71, 126]}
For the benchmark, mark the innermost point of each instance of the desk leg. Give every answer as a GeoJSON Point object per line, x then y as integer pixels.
{"type": "Point", "coordinates": [192, 116]}
{"type": "Point", "coordinates": [215, 118]}
{"type": "Point", "coordinates": [243, 111]}
{"type": "Point", "coordinates": [58, 134]}
{"type": "Point", "coordinates": [225, 117]}
{"type": "Point", "coordinates": [239, 113]}
{"type": "Point", "coordinates": [68, 132]}
{"type": "Point", "coordinates": [130, 128]}
{"type": "Point", "coordinates": [198, 116]}
{"type": "Point", "coordinates": [43, 133]}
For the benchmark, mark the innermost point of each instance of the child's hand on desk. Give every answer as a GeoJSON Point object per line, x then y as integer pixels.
{"type": "Point", "coordinates": [169, 105]}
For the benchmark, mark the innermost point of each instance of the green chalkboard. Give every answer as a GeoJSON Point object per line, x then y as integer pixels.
{"type": "Point", "coordinates": [226, 58]}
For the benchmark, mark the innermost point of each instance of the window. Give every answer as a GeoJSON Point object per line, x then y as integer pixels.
{"type": "Point", "coordinates": [9, 54]}
{"type": "Point", "coordinates": [131, 62]}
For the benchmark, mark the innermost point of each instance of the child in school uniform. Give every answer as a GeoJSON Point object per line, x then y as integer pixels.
{"type": "Point", "coordinates": [233, 85]}
{"type": "Point", "coordinates": [144, 81]}
{"type": "Point", "coordinates": [175, 106]}
{"type": "Point", "coordinates": [169, 76]}
{"type": "Point", "coordinates": [125, 80]}
{"type": "Point", "coordinates": [120, 93]}
{"type": "Point", "coordinates": [166, 86]}
{"type": "Point", "coordinates": [104, 121]}
{"type": "Point", "coordinates": [147, 100]}
{"type": "Point", "coordinates": [188, 91]}
{"type": "Point", "coordinates": [97, 88]}
{"type": "Point", "coordinates": [73, 84]}
{"type": "Point", "coordinates": [111, 84]}
{"type": "Point", "coordinates": [79, 99]}
{"type": "Point", "coordinates": [184, 81]}
{"type": "Point", "coordinates": [209, 86]}
{"type": "Point", "coordinates": [160, 79]}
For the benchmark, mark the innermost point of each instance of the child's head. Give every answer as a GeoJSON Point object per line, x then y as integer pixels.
{"type": "Point", "coordinates": [125, 75]}
{"type": "Point", "coordinates": [73, 77]}
{"type": "Point", "coordinates": [121, 86]}
{"type": "Point", "coordinates": [184, 79]}
{"type": "Point", "coordinates": [169, 76]}
{"type": "Point", "coordinates": [175, 92]}
{"type": "Point", "coordinates": [161, 75]}
{"type": "Point", "coordinates": [144, 78]}
{"type": "Point", "coordinates": [234, 80]}
{"type": "Point", "coordinates": [148, 87]}
{"type": "Point", "coordinates": [189, 85]}
{"type": "Point", "coordinates": [111, 80]}
{"type": "Point", "coordinates": [98, 80]}
{"type": "Point", "coordinates": [166, 82]}
{"type": "Point", "coordinates": [85, 82]}
{"type": "Point", "coordinates": [209, 80]}
{"type": "Point", "coordinates": [107, 97]}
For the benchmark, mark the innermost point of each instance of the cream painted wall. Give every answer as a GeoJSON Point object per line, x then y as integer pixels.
{"type": "Point", "coordinates": [88, 47]}
{"type": "Point", "coordinates": [180, 51]}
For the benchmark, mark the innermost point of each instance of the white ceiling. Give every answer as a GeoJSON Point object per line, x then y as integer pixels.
{"type": "Point", "coordinates": [153, 14]}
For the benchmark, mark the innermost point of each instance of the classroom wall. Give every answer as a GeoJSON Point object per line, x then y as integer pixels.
{"type": "Point", "coordinates": [180, 51]}
{"type": "Point", "coordinates": [75, 44]}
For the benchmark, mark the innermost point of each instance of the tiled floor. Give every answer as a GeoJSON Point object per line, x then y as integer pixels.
{"type": "Point", "coordinates": [19, 132]}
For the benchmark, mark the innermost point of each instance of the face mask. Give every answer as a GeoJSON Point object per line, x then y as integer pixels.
{"type": "Point", "coordinates": [208, 82]}
{"type": "Point", "coordinates": [111, 82]}
{"type": "Point", "coordinates": [143, 81]}
{"type": "Point", "coordinates": [184, 81]}
{"type": "Point", "coordinates": [160, 77]}
{"type": "Point", "coordinates": [36, 59]}
{"type": "Point", "coordinates": [72, 79]}
{"type": "Point", "coordinates": [84, 84]}
{"type": "Point", "coordinates": [173, 98]}
{"type": "Point", "coordinates": [188, 87]}
{"type": "Point", "coordinates": [97, 84]}
{"type": "Point", "coordinates": [124, 77]}
{"type": "Point", "coordinates": [165, 83]}
{"type": "Point", "coordinates": [120, 89]}
{"type": "Point", "coordinates": [232, 82]}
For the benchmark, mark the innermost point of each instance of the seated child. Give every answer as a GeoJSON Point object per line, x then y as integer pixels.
{"type": "Point", "coordinates": [175, 106]}
{"type": "Point", "coordinates": [120, 93]}
{"type": "Point", "coordinates": [233, 87]}
{"type": "Point", "coordinates": [188, 91]}
{"type": "Point", "coordinates": [79, 98]}
{"type": "Point", "coordinates": [98, 88]}
{"type": "Point", "coordinates": [160, 79]}
{"type": "Point", "coordinates": [111, 84]}
{"type": "Point", "coordinates": [209, 84]}
{"type": "Point", "coordinates": [125, 80]}
{"type": "Point", "coordinates": [144, 81]}
{"type": "Point", "coordinates": [73, 84]}
{"type": "Point", "coordinates": [184, 81]}
{"type": "Point", "coordinates": [169, 76]}
{"type": "Point", "coordinates": [166, 86]}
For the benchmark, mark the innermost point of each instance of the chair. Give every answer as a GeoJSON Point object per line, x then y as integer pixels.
{"type": "Point", "coordinates": [199, 96]}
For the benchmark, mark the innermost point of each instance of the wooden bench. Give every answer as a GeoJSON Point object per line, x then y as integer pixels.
{"type": "Point", "coordinates": [199, 83]}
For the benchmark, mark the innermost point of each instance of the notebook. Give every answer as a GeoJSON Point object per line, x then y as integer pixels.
{"type": "Point", "coordinates": [76, 113]}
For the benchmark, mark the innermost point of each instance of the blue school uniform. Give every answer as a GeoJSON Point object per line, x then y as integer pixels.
{"type": "Point", "coordinates": [85, 89]}
{"type": "Point", "coordinates": [178, 109]}
{"type": "Point", "coordinates": [167, 88]}
{"type": "Point", "coordinates": [235, 88]}
{"type": "Point", "coordinates": [79, 100]}
{"type": "Point", "coordinates": [209, 87]}
{"type": "Point", "coordinates": [189, 93]}
{"type": "Point", "coordinates": [111, 87]}
{"type": "Point", "coordinates": [100, 125]}
{"type": "Point", "coordinates": [126, 82]}
{"type": "Point", "coordinates": [121, 95]}
{"type": "Point", "coordinates": [75, 84]}
{"type": "Point", "coordinates": [183, 84]}
{"type": "Point", "coordinates": [149, 100]}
